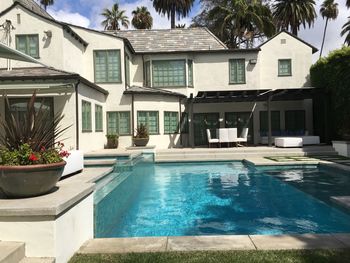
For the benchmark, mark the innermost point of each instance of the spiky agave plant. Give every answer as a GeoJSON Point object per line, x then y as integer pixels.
{"type": "Point", "coordinates": [35, 130]}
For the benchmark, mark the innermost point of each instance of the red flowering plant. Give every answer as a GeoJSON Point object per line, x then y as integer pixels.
{"type": "Point", "coordinates": [31, 140]}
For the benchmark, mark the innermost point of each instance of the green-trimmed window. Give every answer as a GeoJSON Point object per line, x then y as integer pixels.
{"type": "Point", "coordinates": [98, 118]}
{"type": "Point", "coordinates": [148, 74]}
{"type": "Point", "coordinates": [150, 119]}
{"type": "Point", "coordinates": [127, 70]}
{"type": "Point", "coordinates": [86, 116]}
{"type": "Point", "coordinates": [190, 73]}
{"type": "Point", "coordinates": [169, 73]}
{"type": "Point", "coordinates": [107, 66]}
{"type": "Point", "coordinates": [295, 121]}
{"type": "Point", "coordinates": [284, 67]}
{"type": "Point", "coordinates": [237, 71]}
{"type": "Point", "coordinates": [184, 122]}
{"type": "Point", "coordinates": [118, 122]}
{"type": "Point", "coordinates": [275, 121]}
{"type": "Point", "coordinates": [28, 44]}
{"type": "Point", "coordinates": [171, 122]}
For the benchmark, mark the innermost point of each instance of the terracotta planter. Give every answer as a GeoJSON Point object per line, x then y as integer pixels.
{"type": "Point", "coordinates": [140, 142]}
{"type": "Point", "coordinates": [30, 180]}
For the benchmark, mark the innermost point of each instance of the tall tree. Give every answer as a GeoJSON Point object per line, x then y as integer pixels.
{"type": "Point", "coordinates": [142, 18]}
{"type": "Point", "coordinates": [46, 3]}
{"type": "Point", "coordinates": [346, 32]}
{"type": "Point", "coordinates": [237, 22]}
{"type": "Point", "coordinates": [114, 17]}
{"type": "Point", "coordinates": [294, 13]}
{"type": "Point", "coordinates": [171, 8]}
{"type": "Point", "coordinates": [348, 3]}
{"type": "Point", "coordinates": [329, 10]}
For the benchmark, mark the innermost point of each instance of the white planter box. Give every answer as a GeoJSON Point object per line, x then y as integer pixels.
{"type": "Point", "coordinates": [342, 147]}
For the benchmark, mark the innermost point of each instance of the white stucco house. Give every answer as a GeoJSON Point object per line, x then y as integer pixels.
{"type": "Point", "coordinates": [178, 82]}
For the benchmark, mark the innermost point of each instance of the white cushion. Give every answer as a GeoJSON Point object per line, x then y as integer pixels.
{"type": "Point", "coordinates": [288, 142]}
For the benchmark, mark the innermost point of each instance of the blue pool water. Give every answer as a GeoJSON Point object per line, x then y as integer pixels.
{"type": "Point", "coordinates": [182, 199]}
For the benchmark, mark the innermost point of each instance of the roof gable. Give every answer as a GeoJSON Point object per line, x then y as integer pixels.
{"type": "Point", "coordinates": [314, 49]}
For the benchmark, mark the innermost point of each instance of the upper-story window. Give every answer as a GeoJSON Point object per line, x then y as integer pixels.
{"type": "Point", "coordinates": [28, 44]}
{"type": "Point", "coordinates": [169, 73]}
{"type": "Point", "coordinates": [107, 66]}
{"type": "Point", "coordinates": [190, 73]}
{"type": "Point", "coordinates": [237, 71]}
{"type": "Point", "coordinates": [284, 67]}
{"type": "Point", "coordinates": [127, 70]}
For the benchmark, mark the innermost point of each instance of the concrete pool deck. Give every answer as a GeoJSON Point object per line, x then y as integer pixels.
{"type": "Point", "coordinates": [215, 243]}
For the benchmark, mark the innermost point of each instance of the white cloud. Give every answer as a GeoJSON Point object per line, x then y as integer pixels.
{"type": "Point", "coordinates": [70, 17]}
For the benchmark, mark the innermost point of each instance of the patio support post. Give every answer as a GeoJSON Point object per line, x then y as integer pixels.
{"type": "Point", "coordinates": [77, 115]}
{"type": "Point", "coordinates": [269, 120]}
{"type": "Point", "coordinates": [191, 126]}
{"type": "Point", "coordinates": [132, 118]}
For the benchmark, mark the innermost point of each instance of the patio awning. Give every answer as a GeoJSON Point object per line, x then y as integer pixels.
{"type": "Point", "coordinates": [254, 95]}
{"type": "Point", "coordinates": [10, 53]}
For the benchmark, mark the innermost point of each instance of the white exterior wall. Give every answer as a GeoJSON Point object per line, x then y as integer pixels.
{"type": "Point", "coordinates": [160, 104]}
{"type": "Point", "coordinates": [272, 51]}
{"type": "Point", "coordinates": [48, 236]}
{"type": "Point", "coordinates": [5, 4]}
{"type": "Point", "coordinates": [89, 141]}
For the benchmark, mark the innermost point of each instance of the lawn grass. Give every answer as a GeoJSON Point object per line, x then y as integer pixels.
{"type": "Point", "coordinates": [292, 256]}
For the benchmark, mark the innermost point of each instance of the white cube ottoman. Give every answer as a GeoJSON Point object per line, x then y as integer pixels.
{"type": "Point", "coordinates": [288, 142]}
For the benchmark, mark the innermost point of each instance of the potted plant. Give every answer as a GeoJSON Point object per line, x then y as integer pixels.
{"type": "Point", "coordinates": [112, 141]}
{"type": "Point", "coordinates": [31, 163]}
{"type": "Point", "coordinates": [141, 138]}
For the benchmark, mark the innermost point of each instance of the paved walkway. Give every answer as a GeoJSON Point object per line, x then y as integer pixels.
{"type": "Point", "coordinates": [204, 243]}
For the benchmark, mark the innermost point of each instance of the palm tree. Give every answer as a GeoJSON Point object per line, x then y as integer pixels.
{"type": "Point", "coordinates": [348, 3]}
{"type": "Point", "coordinates": [329, 10]}
{"type": "Point", "coordinates": [293, 13]}
{"type": "Point", "coordinates": [239, 21]}
{"type": "Point", "coordinates": [142, 18]}
{"type": "Point", "coordinates": [171, 8]}
{"type": "Point", "coordinates": [113, 17]}
{"type": "Point", "coordinates": [46, 3]}
{"type": "Point", "coordinates": [346, 31]}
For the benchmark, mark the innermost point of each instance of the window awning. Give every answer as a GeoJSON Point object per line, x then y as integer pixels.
{"type": "Point", "coordinates": [254, 95]}
{"type": "Point", "coordinates": [10, 53]}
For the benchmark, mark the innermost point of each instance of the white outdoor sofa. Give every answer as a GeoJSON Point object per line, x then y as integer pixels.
{"type": "Point", "coordinates": [298, 141]}
{"type": "Point", "coordinates": [75, 162]}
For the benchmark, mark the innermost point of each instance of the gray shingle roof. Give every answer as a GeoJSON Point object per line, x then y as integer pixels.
{"type": "Point", "coordinates": [32, 5]}
{"type": "Point", "coordinates": [170, 40]}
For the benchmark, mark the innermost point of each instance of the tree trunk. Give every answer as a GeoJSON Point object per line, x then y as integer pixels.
{"type": "Point", "coordinates": [173, 18]}
{"type": "Point", "coordinates": [324, 37]}
{"type": "Point", "coordinates": [295, 30]}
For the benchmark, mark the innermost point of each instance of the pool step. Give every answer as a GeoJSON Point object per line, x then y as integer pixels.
{"type": "Point", "coordinates": [11, 252]}
{"type": "Point", "coordinates": [228, 154]}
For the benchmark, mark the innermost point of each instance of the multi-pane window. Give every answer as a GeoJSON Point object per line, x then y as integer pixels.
{"type": "Point", "coordinates": [150, 119]}
{"type": "Point", "coordinates": [127, 70]}
{"type": "Point", "coordinates": [237, 71]}
{"type": "Point", "coordinates": [275, 121]}
{"type": "Point", "coordinates": [148, 73]}
{"type": "Point", "coordinates": [98, 118]}
{"type": "Point", "coordinates": [284, 67]}
{"type": "Point", "coordinates": [118, 122]}
{"type": "Point", "coordinates": [107, 66]}
{"type": "Point", "coordinates": [169, 73]}
{"type": "Point", "coordinates": [171, 122]}
{"type": "Point", "coordinates": [295, 121]}
{"type": "Point", "coordinates": [28, 44]}
{"type": "Point", "coordinates": [86, 116]}
{"type": "Point", "coordinates": [190, 73]}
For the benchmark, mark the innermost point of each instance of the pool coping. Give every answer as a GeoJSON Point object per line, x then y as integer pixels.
{"type": "Point", "coordinates": [215, 243]}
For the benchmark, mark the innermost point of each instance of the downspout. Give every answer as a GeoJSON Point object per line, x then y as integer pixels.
{"type": "Point", "coordinates": [132, 118]}
{"type": "Point", "coordinates": [77, 114]}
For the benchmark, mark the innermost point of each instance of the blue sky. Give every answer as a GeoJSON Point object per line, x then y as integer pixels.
{"type": "Point", "coordinates": [87, 13]}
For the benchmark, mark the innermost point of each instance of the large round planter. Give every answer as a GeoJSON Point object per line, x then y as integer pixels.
{"type": "Point", "coordinates": [30, 180]}
{"type": "Point", "coordinates": [140, 142]}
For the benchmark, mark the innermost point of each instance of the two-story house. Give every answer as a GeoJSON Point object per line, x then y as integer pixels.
{"type": "Point", "coordinates": [178, 82]}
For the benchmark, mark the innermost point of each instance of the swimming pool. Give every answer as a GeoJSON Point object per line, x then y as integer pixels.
{"type": "Point", "coordinates": [214, 198]}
